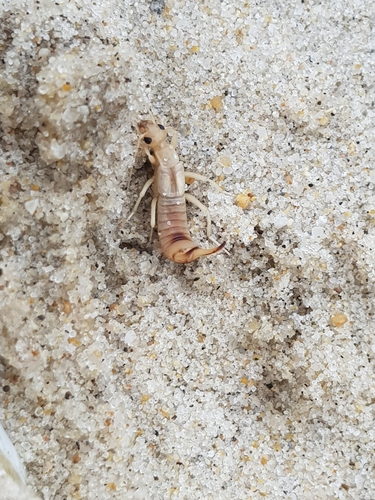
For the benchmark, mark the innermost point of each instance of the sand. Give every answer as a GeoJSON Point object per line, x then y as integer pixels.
{"type": "Point", "coordinates": [240, 376]}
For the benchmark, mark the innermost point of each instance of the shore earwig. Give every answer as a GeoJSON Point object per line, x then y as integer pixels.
{"type": "Point", "coordinates": [169, 202]}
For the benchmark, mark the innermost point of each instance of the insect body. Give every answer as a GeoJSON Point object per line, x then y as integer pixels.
{"type": "Point", "coordinates": [169, 195]}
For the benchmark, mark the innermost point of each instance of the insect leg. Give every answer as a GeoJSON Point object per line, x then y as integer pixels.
{"type": "Point", "coordinates": [200, 177]}
{"type": "Point", "coordinates": [174, 136]}
{"type": "Point", "coordinates": [204, 209]}
{"type": "Point", "coordinates": [153, 216]}
{"type": "Point", "coordinates": [141, 195]}
{"type": "Point", "coordinates": [151, 158]}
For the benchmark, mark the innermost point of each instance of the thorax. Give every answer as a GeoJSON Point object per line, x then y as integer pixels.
{"type": "Point", "coordinates": [169, 174]}
{"type": "Point", "coordinates": [166, 155]}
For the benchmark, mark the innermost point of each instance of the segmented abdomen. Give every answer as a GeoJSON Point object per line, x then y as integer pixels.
{"type": "Point", "coordinates": [174, 234]}
{"type": "Point", "coordinates": [172, 223]}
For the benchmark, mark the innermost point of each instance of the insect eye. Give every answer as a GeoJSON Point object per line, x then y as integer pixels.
{"type": "Point", "coordinates": [147, 140]}
{"type": "Point", "coordinates": [161, 126]}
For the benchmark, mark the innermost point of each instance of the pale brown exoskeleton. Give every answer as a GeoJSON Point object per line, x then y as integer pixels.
{"type": "Point", "coordinates": [169, 201]}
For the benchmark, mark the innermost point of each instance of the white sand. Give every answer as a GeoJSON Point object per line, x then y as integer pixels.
{"type": "Point", "coordinates": [249, 376]}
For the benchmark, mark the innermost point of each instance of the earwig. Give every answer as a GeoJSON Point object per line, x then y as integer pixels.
{"type": "Point", "coordinates": [169, 201]}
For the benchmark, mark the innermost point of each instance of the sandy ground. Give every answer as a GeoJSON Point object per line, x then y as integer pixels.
{"type": "Point", "coordinates": [240, 376]}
